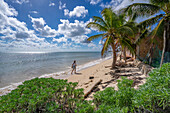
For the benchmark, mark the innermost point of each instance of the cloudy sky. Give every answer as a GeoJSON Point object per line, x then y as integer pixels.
{"type": "Point", "coordinates": [50, 25]}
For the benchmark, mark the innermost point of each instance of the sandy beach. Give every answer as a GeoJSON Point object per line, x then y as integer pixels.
{"type": "Point", "coordinates": [97, 77]}
{"type": "Point", "coordinates": [100, 76]}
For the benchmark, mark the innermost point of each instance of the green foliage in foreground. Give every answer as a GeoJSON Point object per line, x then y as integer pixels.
{"type": "Point", "coordinates": [153, 96]}
{"type": "Point", "coordinates": [111, 101]}
{"type": "Point", "coordinates": [43, 95]}
{"type": "Point", "coordinates": [51, 95]}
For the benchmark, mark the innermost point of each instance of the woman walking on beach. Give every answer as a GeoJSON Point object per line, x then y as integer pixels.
{"type": "Point", "coordinates": [74, 67]}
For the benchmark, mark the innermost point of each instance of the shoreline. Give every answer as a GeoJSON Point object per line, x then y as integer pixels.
{"type": "Point", "coordinates": [57, 75]}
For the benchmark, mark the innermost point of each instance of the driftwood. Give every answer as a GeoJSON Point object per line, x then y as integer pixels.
{"type": "Point", "coordinates": [145, 68]}
{"type": "Point", "coordinates": [92, 88]}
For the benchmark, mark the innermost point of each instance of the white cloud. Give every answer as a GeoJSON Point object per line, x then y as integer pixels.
{"type": "Point", "coordinates": [38, 23]}
{"type": "Point", "coordinates": [79, 39]}
{"type": "Point", "coordinates": [78, 11]}
{"type": "Point", "coordinates": [62, 6]}
{"type": "Point", "coordinates": [62, 39]}
{"type": "Point", "coordinates": [11, 27]}
{"type": "Point", "coordinates": [91, 45]}
{"type": "Point", "coordinates": [94, 2]}
{"type": "Point", "coordinates": [94, 47]}
{"type": "Point", "coordinates": [39, 44]}
{"type": "Point", "coordinates": [66, 12]}
{"type": "Point", "coordinates": [20, 1]}
{"type": "Point", "coordinates": [35, 12]}
{"type": "Point", "coordinates": [26, 34]}
{"type": "Point", "coordinates": [21, 38]}
{"type": "Point", "coordinates": [75, 31]}
{"type": "Point", "coordinates": [45, 30]}
{"type": "Point", "coordinates": [67, 45]}
{"type": "Point", "coordinates": [77, 28]}
{"type": "Point", "coordinates": [112, 3]}
{"type": "Point", "coordinates": [52, 4]}
{"type": "Point", "coordinates": [6, 10]}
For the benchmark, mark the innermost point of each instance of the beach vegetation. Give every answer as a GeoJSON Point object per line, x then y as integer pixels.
{"type": "Point", "coordinates": [153, 96]}
{"type": "Point", "coordinates": [43, 95]}
{"type": "Point", "coordinates": [158, 14]}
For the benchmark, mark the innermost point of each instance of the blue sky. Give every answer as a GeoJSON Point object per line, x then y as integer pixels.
{"type": "Point", "coordinates": [50, 25]}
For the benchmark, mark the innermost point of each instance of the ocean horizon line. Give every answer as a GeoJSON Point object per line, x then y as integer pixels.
{"type": "Point", "coordinates": [41, 52]}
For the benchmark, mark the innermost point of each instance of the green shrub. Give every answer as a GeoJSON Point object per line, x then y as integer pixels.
{"type": "Point", "coordinates": [42, 95]}
{"type": "Point", "coordinates": [110, 100]}
{"type": "Point", "coordinates": [153, 96]}
{"type": "Point", "coordinates": [110, 109]}
{"type": "Point", "coordinates": [84, 107]}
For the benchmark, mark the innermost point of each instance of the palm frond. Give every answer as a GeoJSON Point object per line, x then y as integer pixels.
{"type": "Point", "coordinates": [119, 20]}
{"type": "Point", "coordinates": [125, 30]}
{"type": "Point", "coordinates": [150, 21]}
{"type": "Point", "coordinates": [108, 16]}
{"type": "Point", "coordinates": [105, 46]}
{"type": "Point", "coordinates": [142, 36]}
{"type": "Point", "coordinates": [133, 17]}
{"type": "Point", "coordinates": [156, 28]}
{"type": "Point", "coordinates": [133, 26]}
{"type": "Point", "coordinates": [95, 36]}
{"type": "Point", "coordinates": [100, 20]}
{"type": "Point", "coordinates": [160, 3]}
{"type": "Point", "coordinates": [125, 42]}
{"type": "Point", "coordinates": [141, 9]}
{"type": "Point", "coordinates": [106, 36]}
{"type": "Point", "coordinates": [96, 26]}
{"type": "Point", "coordinates": [160, 30]}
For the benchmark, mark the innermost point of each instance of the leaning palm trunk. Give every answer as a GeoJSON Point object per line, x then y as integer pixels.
{"type": "Point", "coordinates": [124, 54]}
{"type": "Point", "coordinates": [138, 51]}
{"type": "Point", "coordinates": [121, 54]}
{"type": "Point", "coordinates": [114, 56]}
{"type": "Point", "coordinates": [164, 43]}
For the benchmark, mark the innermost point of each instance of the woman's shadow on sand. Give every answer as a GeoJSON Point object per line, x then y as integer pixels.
{"type": "Point", "coordinates": [78, 73]}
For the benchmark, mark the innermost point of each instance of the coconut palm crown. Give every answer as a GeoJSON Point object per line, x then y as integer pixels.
{"type": "Point", "coordinates": [113, 31]}
{"type": "Point", "coordinates": [159, 13]}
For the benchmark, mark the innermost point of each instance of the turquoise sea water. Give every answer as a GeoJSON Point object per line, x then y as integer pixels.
{"type": "Point", "coordinates": [16, 67]}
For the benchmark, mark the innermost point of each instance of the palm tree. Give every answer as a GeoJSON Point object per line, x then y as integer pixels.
{"type": "Point", "coordinates": [112, 29]}
{"type": "Point", "coordinates": [131, 39]}
{"type": "Point", "coordinates": [162, 19]}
